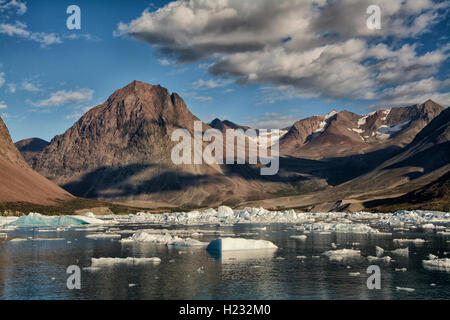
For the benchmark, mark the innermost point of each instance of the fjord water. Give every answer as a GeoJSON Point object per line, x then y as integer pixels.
{"type": "Point", "coordinates": [36, 269]}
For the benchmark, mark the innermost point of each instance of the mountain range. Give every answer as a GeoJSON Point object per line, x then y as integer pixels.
{"type": "Point", "coordinates": [121, 151]}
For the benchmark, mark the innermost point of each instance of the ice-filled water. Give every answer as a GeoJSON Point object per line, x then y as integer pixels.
{"type": "Point", "coordinates": [318, 256]}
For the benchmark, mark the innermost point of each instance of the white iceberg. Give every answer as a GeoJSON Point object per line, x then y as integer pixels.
{"type": "Point", "coordinates": [164, 238]}
{"type": "Point", "coordinates": [299, 237]}
{"type": "Point", "coordinates": [35, 219]}
{"type": "Point", "coordinates": [342, 255]}
{"type": "Point", "coordinates": [406, 241]}
{"type": "Point", "coordinates": [98, 262]}
{"type": "Point", "coordinates": [437, 264]}
{"type": "Point", "coordinates": [230, 244]}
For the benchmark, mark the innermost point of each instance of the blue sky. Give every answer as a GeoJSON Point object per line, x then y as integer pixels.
{"type": "Point", "coordinates": [275, 67]}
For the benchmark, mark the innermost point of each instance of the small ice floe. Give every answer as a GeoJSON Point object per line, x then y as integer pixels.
{"type": "Point", "coordinates": [130, 285]}
{"type": "Point", "coordinates": [342, 255]}
{"type": "Point", "coordinates": [428, 226]}
{"type": "Point", "coordinates": [401, 269]}
{"type": "Point", "coordinates": [280, 258]}
{"type": "Point", "coordinates": [301, 257]}
{"type": "Point", "coordinates": [228, 244]}
{"type": "Point", "coordinates": [103, 236]}
{"type": "Point", "coordinates": [433, 284]}
{"type": "Point", "coordinates": [379, 251]}
{"type": "Point", "coordinates": [434, 263]}
{"type": "Point", "coordinates": [333, 245]}
{"type": "Point", "coordinates": [407, 241]}
{"type": "Point", "coordinates": [200, 270]}
{"type": "Point", "coordinates": [354, 274]}
{"type": "Point", "coordinates": [18, 240]}
{"type": "Point", "coordinates": [405, 289]}
{"type": "Point", "coordinates": [99, 262]}
{"type": "Point", "coordinates": [299, 237]}
{"type": "Point", "coordinates": [385, 259]}
{"type": "Point", "coordinates": [403, 252]}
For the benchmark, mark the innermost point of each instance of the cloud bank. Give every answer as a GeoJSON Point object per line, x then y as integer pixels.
{"type": "Point", "coordinates": [315, 48]}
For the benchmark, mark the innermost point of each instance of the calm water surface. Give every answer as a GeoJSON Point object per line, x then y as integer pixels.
{"type": "Point", "coordinates": [36, 269]}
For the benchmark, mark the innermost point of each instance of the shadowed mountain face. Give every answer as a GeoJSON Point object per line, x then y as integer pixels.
{"type": "Point", "coordinates": [18, 182]}
{"type": "Point", "coordinates": [122, 149]}
{"type": "Point", "coordinates": [31, 147]}
{"type": "Point", "coordinates": [225, 124]}
{"type": "Point", "coordinates": [421, 162]}
{"type": "Point", "coordinates": [344, 133]}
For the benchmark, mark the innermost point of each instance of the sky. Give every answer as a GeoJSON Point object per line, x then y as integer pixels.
{"type": "Point", "coordinates": [262, 63]}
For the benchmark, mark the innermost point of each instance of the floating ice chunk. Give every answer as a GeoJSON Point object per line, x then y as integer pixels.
{"type": "Point", "coordinates": [385, 259]}
{"type": "Point", "coordinates": [7, 220]}
{"type": "Point", "coordinates": [165, 238]}
{"type": "Point", "coordinates": [428, 226]}
{"type": "Point", "coordinates": [142, 236]}
{"type": "Point", "coordinates": [36, 219]}
{"type": "Point", "coordinates": [225, 212]}
{"type": "Point", "coordinates": [437, 264]}
{"type": "Point", "coordinates": [342, 255]}
{"type": "Point", "coordinates": [404, 252]}
{"type": "Point", "coordinates": [188, 243]}
{"type": "Point", "coordinates": [129, 260]}
{"type": "Point", "coordinates": [354, 274]}
{"type": "Point", "coordinates": [229, 244]}
{"type": "Point", "coordinates": [301, 257]}
{"type": "Point", "coordinates": [299, 237]}
{"type": "Point", "coordinates": [18, 240]}
{"type": "Point", "coordinates": [406, 241]}
{"type": "Point", "coordinates": [103, 236]}
{"type": "Point", "coordinates": [379, 251]}
{"type": "Point", "coordinates": [405, 289]}
{"type": "Point", "coordinates": [401, 269]}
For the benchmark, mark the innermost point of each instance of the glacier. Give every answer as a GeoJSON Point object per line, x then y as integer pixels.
{"type": "Point", "coordinates": [36, 220]}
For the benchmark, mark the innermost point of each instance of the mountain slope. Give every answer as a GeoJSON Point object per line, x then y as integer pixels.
{"type": "Point", "coordinates": [31, 147]}
{"type": "Point", "coordinates": [18, 182]}
{"type": "Point", "coordinates": [427, 155]}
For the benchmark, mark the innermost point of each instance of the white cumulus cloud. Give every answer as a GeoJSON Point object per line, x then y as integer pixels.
{"type": "Point", "coordinates": [62, 97]}
{"type": "Point", "coordinates": [312, 48]}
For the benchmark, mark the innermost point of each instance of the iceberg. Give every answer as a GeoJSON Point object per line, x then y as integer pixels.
{"type": "Point", "coordinates": [98, 262]}
{"type": "Point", "coordinates": [434, 263]}
{"type": "Point", "coordinates": [231, 244]}
{"type": "Point", "coordinates": [164, 238]}
{"type": "Point", "coordinates": [405, 289]}
{"type": "Point", "coordinates": [342, 255]}
{"type": "Point", "coordinates": [37, 220]}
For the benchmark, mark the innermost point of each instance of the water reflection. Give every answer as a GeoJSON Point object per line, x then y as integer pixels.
{"type": "Point", "coordinates": [36, 269]}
